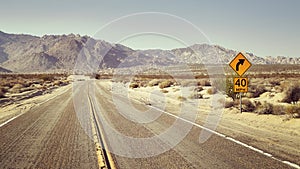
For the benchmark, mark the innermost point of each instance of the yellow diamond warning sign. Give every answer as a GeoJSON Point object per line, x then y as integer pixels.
{"type": "Point", "coordinates": [240, 64]}
{"type": "Point", "coordinates": [240, 84]}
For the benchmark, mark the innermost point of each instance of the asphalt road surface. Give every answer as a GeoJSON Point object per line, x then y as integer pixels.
{"type": "Point", "coordinates": [57, 134]}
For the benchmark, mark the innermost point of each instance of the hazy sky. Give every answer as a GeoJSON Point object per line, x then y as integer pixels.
{"type": "Point", "coordinates": [263, 27]}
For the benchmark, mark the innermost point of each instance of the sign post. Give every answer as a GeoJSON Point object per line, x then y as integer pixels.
{"type": "Point", "coordinates": [240, 65]}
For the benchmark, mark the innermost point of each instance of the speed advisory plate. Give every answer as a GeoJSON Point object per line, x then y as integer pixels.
{"type": "Point", "coordinates": [240, 84]}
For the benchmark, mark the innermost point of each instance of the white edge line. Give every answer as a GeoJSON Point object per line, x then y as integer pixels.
{"type": "Point", "coordinates": [9, 120]}
{"type": "Point", "coordinates": [231, 139]}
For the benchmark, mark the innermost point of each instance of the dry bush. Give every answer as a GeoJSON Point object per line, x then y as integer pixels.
{"type": "Point", "coordinates": [292, 94]}
{"type": "Point", "coordinates": [165, 83]}
{"type": "Point", "coordinates": [2, 93]}
{"type": "Point", "coordinates": [134, 85]}
{"type": "Point", "coordinates": [278, 89]}
{"type": "Point", "coordinates": [247, 105]}
{"type": "Point", "coordinates": [265, 108]}
{"type": "Point", "coordinates": [274, 82]}
{"type": "Point", "coordinates": [279, 109]}
{"type": "Point", "coordinates": [293, 110]}
{"type": "Point", "coordinates": [154, 82]}
{"type": "Point", "coordinates": [229, 103]}
{"type": "Point", "coordinates": [198, 89]}
{"type": "Point", "coordinates": [18, 86]}
{"type": "Point", "coordinates": [143, 84]}
{"type": "Point", "coordinates": [56, 83]}
{"type": "Point", "coordinates": [204, 82]}
{"type": "Point", "coordinates": [181, 98]}
{"type": "Point", "coordinates": [164, 91]}
{"type": "Point", "coordinates": [212, 90]}
{"type": "Point", "coordinates": [258, 90]}
{"type": "Point", "coordinates": [196, 95]}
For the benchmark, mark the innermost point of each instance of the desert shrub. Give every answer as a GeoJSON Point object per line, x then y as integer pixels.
{"type": "Point", "coordinates": [164, 91]}
{"type": "Point", "coordinates": [153, 82]}
{"type": "Point", "coordinates": [279, 109]}
{"type": "Point", "coordinates": [1, 93]}
{"type": "Point", "coordinates": [196, 95]}
{"type": "Point", "coordinates": [143, 84]}
{"type": "Point", "coordinates": [247, 105]}
{"type": "Point", "coordinates": [275, 82]}
{"type": "Point", "coordinates": [257, 91]}
{"type": "Point", "coordinates": [204, 82]}
{"type": "Point", "coordinates": [166, 83]}
{"type": "Point", "coordinates": [293, 109]}
{"type": "Point", "coordinates": [265, 108]}
{"type": "Point", "coordinates": [198, 89]}
{"type": "Point", "coordinates": [134, 85]}
{"type": "Point", "coordinates": [229, 104]}
{"type": "Point", "coordinates": [46, 77]}
{"type": "Point", "coordinates": [181, 98]}
{"type": "Point", "coordinates": [292, 94]}
{"type": "Point", "coordinates": [278, 89]}
{"type": "Point", "coordinates": [18, 86]}
{"type": "Point", "coordinates": [229, 90]}
{"type": "Point", "coordinates": [56, 83]}
{"type": "Point", "coordinates": [212, 90]}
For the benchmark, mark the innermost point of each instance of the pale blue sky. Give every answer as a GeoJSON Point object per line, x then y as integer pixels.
{"type": "Point", "coordinates": [263, 27]}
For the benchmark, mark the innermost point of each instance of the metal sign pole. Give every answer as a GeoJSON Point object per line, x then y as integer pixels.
{"type": "Point", "coordinates": [241, 102]}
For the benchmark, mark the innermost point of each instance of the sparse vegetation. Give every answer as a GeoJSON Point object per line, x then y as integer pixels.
{"type": "Point", "coordinates": [293, 110]}
{"type": "Point", "coordinates": [11, 84]}
{"type": "Point", "coordinates": [204, 82]}
{"type": "Point", "coordinates": [292, 94]}
{"type": "Point", "coordinates": [247, 105]}
{"type": "Point", "coordinates": [165, 83]}
{"type": "Point", "coordinates": [257, 90]}
{"type": "Point", "coordinates": [164, 91]}
{"type": "Point", "coordinates": [181, 98]}
{"type": "Point", "coordinates": [265, 108]}
{"type": "Point", "coordinates": [133, 85]}
{"type": "Point", "coordinates": [196, 95]}
{"type": "Point", "coordinates": [212, 90]}
{"type": "Point", "coordinates": [229, 104]}
{"type": "Point", "coordinates": [154, 82]}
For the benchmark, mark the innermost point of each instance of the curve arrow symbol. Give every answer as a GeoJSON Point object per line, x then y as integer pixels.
{"type": "Point", "coordinates": [241, 62]}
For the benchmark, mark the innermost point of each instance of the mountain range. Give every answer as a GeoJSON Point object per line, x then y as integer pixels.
{"type": "Point", "coordinates": [56, 53]}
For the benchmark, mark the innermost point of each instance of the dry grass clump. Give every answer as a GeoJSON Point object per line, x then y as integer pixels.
{"type": "Point", "coordinates": [164, 91]}
{"type": "Point", "coordinates": [257, 90]}
{"type": "Point", "coordinates": [198, 89]}
{"type": "Point", "coordinates": [247, 105]}
{"type": "Point", "coordinates": [293, 110]}
{"type": "Point", "coordinates": [274, 82]}
{"type": "Point", "coordinates": [165, 84]}
{"type": "Point", "coordinates": [212, 90]}
{"type": "Point", "coordinates": [153, 82]}
{"type": "Point", "coordinates": [265, 108]}
{"type": "Point", "coordinates": [2, 92]}
{"type": "Point", "coordinates": [196, 95]}
{"type": "Point", "coordinates": [181, 98]}
{"type": "Point", "coordinates": [229, 103]}
{"type": "Point", "coordinates": [204, 82]}
{"type": "Point", "coordinates": [134, 85]}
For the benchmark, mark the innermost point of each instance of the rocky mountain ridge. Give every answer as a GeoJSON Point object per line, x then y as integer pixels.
{"type": "Point", "coordinates": [26, 53]}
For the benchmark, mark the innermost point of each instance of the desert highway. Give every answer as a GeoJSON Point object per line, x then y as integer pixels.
{"type": "Point", "coordinates": [64, 132]}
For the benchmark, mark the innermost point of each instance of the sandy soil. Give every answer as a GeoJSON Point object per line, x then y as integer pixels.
{"type": "Point", "coordinates": [271, 133]}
